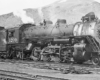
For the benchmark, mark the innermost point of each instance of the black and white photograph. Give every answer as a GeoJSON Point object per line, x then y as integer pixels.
{"type": "Point", "coordinates": [49, 39]}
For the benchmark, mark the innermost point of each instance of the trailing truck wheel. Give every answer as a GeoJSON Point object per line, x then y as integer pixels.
{"type": "Point", "coordinates": [35, 55]}
{"type": "Point", "coordinates": [19, 55]}
{"type": "Point", "coordinates": [96, 60]}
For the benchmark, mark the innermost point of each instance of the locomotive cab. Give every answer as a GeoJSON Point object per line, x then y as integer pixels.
{"type": "Point", "coordinates": [16, 40]}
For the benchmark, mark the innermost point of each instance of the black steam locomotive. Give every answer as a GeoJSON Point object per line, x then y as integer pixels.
{"type": "Point", "coordinates": [77, 42]}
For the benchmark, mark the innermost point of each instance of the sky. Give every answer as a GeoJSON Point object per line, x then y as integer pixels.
{"type": "Point", "coordinates": [97, 0]}
{"type": "Point", "coordinates": [7, 6]}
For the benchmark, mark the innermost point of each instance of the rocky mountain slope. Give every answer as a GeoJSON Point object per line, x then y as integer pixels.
{"type": "Point", "coordinates": [71, 10]}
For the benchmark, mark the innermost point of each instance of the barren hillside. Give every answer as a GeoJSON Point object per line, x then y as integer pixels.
{"type": "Point", "coordinates": [71, 10]}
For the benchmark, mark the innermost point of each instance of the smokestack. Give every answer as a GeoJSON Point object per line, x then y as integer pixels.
{"type": "Point", "coordinates": [24, 17]}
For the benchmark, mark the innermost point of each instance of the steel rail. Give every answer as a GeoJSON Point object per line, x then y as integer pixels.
{"type": "Point", "coordinates": [23, 76]}
{"type": "Point", "coordinates": [16, 75]}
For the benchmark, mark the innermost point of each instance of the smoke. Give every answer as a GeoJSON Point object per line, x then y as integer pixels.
{"type": "Point", "coordinates": [40, 13]}
{"type": "Point", "coordinates": [22, 14]}
{"type": "Point", "coordinates": [62, 1]}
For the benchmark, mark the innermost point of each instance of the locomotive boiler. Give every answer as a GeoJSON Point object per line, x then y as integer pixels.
{"type": "Point", "coordinates": [49, 30]}
{"type": "Point", "coordinates": [77, 42]}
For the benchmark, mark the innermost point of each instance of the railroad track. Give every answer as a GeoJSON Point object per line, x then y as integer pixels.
{"type": "Point", "coordinates": [9, 75]}
{"type": "Point", "coordinates": [16, 75]}
{"type": "Point", "coordinates": [41, 62]}
{"type": "Point", "coordinates": [51, 65]}
{"type": "Point", "coordinates": [63, 68]}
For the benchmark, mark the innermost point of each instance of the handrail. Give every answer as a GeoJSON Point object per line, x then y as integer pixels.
{"type": "Point", "coordinates": [93, 43]}
{"type": "Point", "coordinates": [94, 48]}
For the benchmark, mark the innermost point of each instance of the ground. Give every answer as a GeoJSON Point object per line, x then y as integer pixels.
{"type": "Point", "coordinates": [51, 69]}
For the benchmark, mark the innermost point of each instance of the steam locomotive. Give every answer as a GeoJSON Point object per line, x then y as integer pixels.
{"type": "Point", "coordinates": [77, 42]}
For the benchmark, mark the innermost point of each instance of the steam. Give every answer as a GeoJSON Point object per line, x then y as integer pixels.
{"type": "Point", "coordinates": [22, 14]}
{"type": "Point", "coordinates": [40, 13]}
{"type": "Point", "coordinates": [62, 1]}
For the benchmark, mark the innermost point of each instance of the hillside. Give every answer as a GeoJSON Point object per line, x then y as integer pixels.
{"type": "Point", "coordinates": [71, 10]}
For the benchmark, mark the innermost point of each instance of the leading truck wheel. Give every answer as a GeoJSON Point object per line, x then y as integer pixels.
{"type": "Point", "coordinates": [96, 60]}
